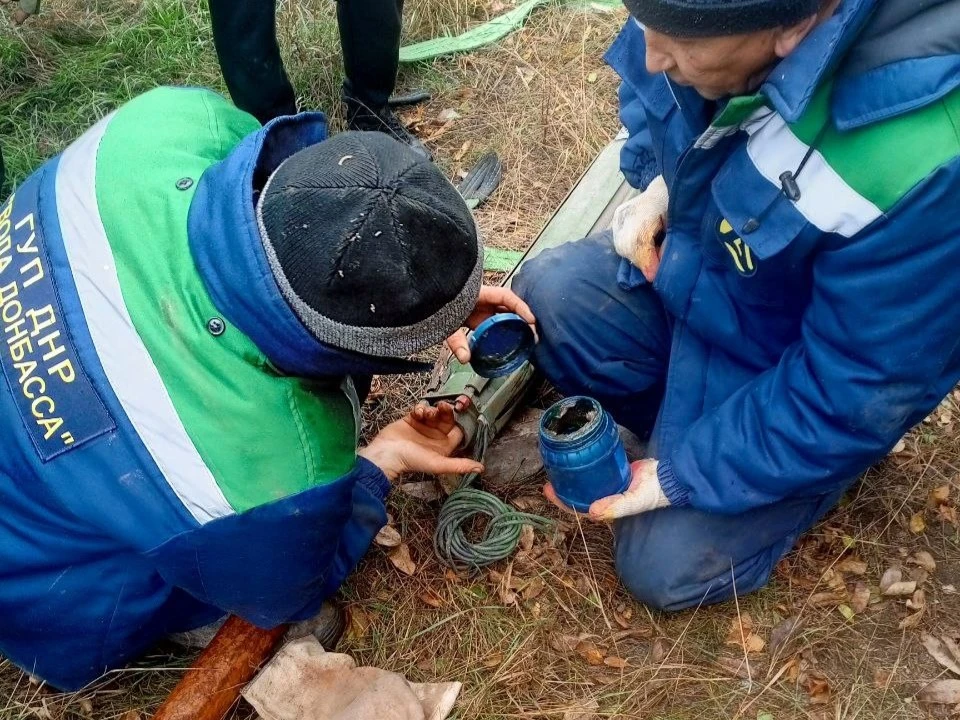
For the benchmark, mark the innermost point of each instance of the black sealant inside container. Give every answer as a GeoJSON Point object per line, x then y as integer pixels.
{"type": "Point", "coordinates": [571, 419]}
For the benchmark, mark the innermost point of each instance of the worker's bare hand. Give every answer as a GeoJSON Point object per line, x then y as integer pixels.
{"type": "Point", "coordinates": [420, 442]}
{"type": "Point", "coordinates": [493, 299]}
{"type": "Point", "coordinates": [643, 494]}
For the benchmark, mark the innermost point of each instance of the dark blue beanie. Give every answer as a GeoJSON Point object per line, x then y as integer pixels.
{"type": "Point", "coordinates": [710, 18]}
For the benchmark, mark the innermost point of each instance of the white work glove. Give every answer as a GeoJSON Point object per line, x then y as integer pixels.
{"type": "Point", "coordinates": [636, 225]}
{"type": "Point", "coordinates": [643, 494]}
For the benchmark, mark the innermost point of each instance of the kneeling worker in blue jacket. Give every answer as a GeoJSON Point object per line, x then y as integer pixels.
{"type": "Point", "coordinates": [801, 313]}
{"type": "Point", "coordinates": [189, 304]}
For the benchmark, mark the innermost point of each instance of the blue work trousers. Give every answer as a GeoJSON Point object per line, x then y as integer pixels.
{"type": "Point", "coordinates": [599, 339]}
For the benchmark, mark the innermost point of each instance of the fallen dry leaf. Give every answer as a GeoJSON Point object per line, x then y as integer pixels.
{"type": "Point", "coordinates": [892, 583]}
{"type": "Point", "coordinates": [917, 601]}
{"type": "Point", "coordinates": [832, 579]}
{"type": "Point", "coordinates": [891, 576]}
{"type": "Point", "coordinates": [939, 495]}
{"type": "Point", "coordinates": [783, 633]}
{"type": "Point", "coordinates": [526, 538]}
{"type": "Point", "coordinates": [589, 651]}
{"type": "Point", "coordinates": [941, 692]}
{"type": "Point", "coordinates": [621, 620]}
{"type": "Point", "coordinates": [448, 115]}
{"type": "Point", "coordinates": [847, 612]}
{"type": "Point", "coordinates": [740, 627]}
{"type": "Point", "coordinates": [534, 588]}
{"type": "Point", "coordinates": [918, 575]}
{"type": "Point", "coordinates": [817, 687]}
{"type": "Point", "coordinates": [949, 590]}
{"type": "Point", "coordinates": [400, 557]}
{"type": "Point", "coordinates": [431, 598]}
{"type": "Point", "coordinates": [917, 523]}
{"type": "Point", "coordinates": [852, 565]}
{"type": "Point", "coordinates": [948, 514]}
{"type": "Point", "coordinates": [358, 623]}
{"type": "Point", "coordinates": [924, 560]}
{"type": "Point", "coordinates": [615, 662]}
{"type": "Point", "coordinates": [493, 660]}
{"type": "Point", "coordinates": [911, 621]}
{"type": "Point", "coordinates": [900, 446]}
{"type": "Point", "coordinates": [882, 678]}
{"type": "Point", "coordinates": [388, 537]}
{"type": "Point", "coordinates": [564, 644]}
{"type": "Point", "coordinates": [592, 77]}
{"type": "Point", "coordinates": [827, 599]}
{"type": "Point", "coordinates": [644, 632]}
{"type": "Point", "coordinates": [464, 149]}
{"type": "Point", "coordinates": [660, 650]}
{"type": "Point", "coordinates": [736, 666]}
{"type": "Point", "coordinates": [943, 650]}
{"type": "Point", "coordinates": [584, 710]}
{"type": "Point", "coordinates": [860, 597]}
{"type": "Point", "coordinates": [525, 503]}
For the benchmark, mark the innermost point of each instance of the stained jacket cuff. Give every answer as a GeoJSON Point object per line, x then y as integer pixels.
{"type": "Point", "coordinates": [372, 479]}
{"type": "Point", "coordinates": [676, 493]}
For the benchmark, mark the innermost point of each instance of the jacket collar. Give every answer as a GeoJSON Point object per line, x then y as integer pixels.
{"type": "Point", "coordinates": [793, 82]}
{"type": "Point", "coordinates": [227, 248]}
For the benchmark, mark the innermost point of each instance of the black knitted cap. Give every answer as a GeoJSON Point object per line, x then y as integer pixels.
{"type": "Point", "coordinates": [711, 18]}
{"type": "Point", "coordinates": [371, 245]}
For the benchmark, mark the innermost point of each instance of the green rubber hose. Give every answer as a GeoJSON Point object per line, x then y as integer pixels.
{"type": "Point", "coordinates": [502, 533]}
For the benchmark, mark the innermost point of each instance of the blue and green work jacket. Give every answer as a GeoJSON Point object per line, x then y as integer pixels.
{"type": "Point", "coordinates": [810, 261]}
{"type": "Point", "coordinates": [176, 445]}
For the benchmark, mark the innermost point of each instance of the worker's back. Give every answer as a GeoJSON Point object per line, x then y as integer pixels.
{"type": "Point", "coordinates": [150, 445]}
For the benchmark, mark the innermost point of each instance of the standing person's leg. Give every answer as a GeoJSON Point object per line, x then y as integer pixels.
{"type": "Point", "coordinates": [595, 338]}
{"type": "Point", "coordinates": [25, 10]}
{"type": "Point", "coordinates": [245, 36]}
{"type": "Point", "coordinates": [370, 41]}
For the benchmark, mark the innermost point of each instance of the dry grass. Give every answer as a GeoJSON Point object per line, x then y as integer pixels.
{"type": "Point", "coordinates": [505, 636]}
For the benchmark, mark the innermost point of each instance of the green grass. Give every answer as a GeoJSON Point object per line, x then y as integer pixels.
{"type": "Point", "coordinates": [61, 74]}
{"type": "Point", "coordinates": [77, 61]}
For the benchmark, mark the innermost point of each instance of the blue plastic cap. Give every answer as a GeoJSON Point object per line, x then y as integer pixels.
{"type": "Point", "coordinates": [500, 345]}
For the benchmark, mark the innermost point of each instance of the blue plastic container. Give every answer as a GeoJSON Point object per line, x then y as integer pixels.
{"type": "Point", "coordinates": [582, 452]}
{"type": "Point", "coordinates": [500, 345]}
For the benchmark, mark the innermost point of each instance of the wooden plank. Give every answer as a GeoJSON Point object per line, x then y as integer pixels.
{"type": "Point", "coordinates": [588, 207]}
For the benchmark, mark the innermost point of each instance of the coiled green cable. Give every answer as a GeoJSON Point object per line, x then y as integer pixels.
{"type": "Point", "coordinates": [502, 533]}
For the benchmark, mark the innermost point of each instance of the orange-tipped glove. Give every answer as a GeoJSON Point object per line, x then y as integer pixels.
{"type": "Point", "coordinates": [643, 494]}
{"type": "Point", "coordinates": [636, 225]}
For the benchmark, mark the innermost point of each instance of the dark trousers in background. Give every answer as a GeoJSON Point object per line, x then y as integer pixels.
{"type": "Point", "coordinates": [612, 344]}
{"type": "Point", "coordinates": [244, 33]}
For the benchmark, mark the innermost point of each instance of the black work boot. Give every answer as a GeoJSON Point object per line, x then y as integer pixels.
{"type": "Point", "coordinates": [362, 117]}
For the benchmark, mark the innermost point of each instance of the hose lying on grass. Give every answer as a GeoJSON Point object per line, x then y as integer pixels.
{"type": "Point", "coordinates": [501, 535]}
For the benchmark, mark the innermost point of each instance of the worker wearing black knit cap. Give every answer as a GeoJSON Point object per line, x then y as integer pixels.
{"type": "Point", "coordinates": [221, 296]}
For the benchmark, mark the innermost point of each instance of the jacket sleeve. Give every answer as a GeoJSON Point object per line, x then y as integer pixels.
{"type": "Point", "coordinates": [878, 351]}
{"type": "Point", "coordinates": [637, 160]}
{"type": "Point", "coordinates": [277, 563]}
{"type": "Point", "coordinates": [627, 57]}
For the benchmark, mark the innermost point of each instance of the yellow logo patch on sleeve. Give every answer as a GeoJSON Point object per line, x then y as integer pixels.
{"type": "Point", "coordinates": [739, 250]}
